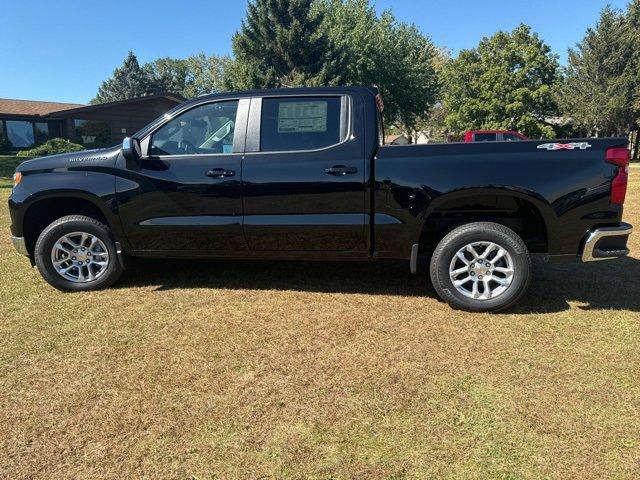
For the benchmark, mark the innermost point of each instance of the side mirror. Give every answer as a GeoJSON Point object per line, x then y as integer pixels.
{"type": "Point", "coordinates": [131, 149]}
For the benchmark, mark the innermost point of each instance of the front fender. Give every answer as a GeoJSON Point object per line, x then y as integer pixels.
{"type": "Point", "coordinates": [40, 189]}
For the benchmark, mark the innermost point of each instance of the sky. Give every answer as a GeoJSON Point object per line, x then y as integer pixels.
{"type": "Point", "coordinates": [61, 50]}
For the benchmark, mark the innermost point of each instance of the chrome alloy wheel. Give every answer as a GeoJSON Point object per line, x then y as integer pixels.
{"type": "Point", "coordinates": [80, 257]}
{"type": "Point", "coordinates": [481, 270]}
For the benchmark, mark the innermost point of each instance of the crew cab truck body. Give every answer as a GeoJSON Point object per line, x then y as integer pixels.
{"type": "Point", "coordinates": [302, 174]}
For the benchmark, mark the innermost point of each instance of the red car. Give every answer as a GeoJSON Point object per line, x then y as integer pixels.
{"type": "Point", "coordinates": [493, 136]}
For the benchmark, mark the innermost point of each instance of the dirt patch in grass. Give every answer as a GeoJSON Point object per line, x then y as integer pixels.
{"type": "Point", "coordinates": [269, 370]}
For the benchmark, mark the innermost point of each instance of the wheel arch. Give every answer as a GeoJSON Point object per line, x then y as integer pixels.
{"type": "Point", "coordinates": [45, 209]}
{"type": "Point", "coordinates": [526, 213]}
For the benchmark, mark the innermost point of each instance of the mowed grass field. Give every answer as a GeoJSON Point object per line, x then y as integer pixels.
{"type": "Point", "coordinates": [207, 370]}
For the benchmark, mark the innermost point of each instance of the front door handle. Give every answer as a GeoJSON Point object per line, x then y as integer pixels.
{"type": "Point", "coordinates": [340, 170]}
{"type": "Point", "coordinates": [220, 173]}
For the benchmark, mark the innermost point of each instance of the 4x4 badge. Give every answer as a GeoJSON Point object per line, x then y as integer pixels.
{"type": "Point", "coordinates": [565, 146]}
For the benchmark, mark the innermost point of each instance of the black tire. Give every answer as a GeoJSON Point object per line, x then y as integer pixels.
{"type": "Point", "coordinates": [67, 225]}
{"type": "Point", "coordinates": [456, 240]}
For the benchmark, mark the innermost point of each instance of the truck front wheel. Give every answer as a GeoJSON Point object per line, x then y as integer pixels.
{"type": "Point", "coordinates": [481, 267]}
{"type": "Point", "coordinates": [76, 253]}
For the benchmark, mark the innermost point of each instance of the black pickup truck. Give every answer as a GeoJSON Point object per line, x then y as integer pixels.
{"type": "Point", "coordinates": [303, 174]}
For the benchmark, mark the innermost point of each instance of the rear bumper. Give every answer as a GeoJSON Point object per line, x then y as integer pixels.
{"type": "Point", "coordinates": [20, 245]}
{"type": "Point", "coordinates": [606, 243]}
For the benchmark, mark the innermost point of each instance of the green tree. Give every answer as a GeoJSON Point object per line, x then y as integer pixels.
{"type": "Point", "coordinates": [207, 74]}
{"type": "Point", "coordinates": [189, 77]}
{"type": "Point", "coordinates": [168, 75]}
{"type": "Point", "coordinates": [634, 31]}
{"type": "Point", "coordinates": [432, 126]}
{"type": "Point", "coordinates": [127, 81]}
{"type": "Point", "coordinates": [280, 44]}
{"type": "Point", "coordinates": [506, 82]}
{"type": "Point", "coordinates": [379, 50]}
{"type": "Point", "coordinates": [603, 75]}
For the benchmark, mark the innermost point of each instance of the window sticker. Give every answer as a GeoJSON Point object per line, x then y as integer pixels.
{"type": "Point", "coordinates": [301, 117]}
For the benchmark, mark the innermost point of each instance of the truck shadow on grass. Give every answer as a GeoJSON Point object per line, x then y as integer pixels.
{"type": "Point", "coordinates": [602, 285]}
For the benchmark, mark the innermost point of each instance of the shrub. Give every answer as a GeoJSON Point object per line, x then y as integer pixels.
{"type": "Point", "coordinates": [51, 147]}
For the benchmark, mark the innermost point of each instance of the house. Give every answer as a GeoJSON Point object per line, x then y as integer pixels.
{"type": "Point", "coordinates": [419, 137]}
{"type": "Point", "coordinates": [26, 123]}
{"type": "Point", "coordinates": [396, 140]}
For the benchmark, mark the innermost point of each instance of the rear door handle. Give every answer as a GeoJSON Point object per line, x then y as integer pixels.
{"type": "Point", "coordinates": [340, 170]}
{"type": "Point", "coordinates": [220, 173]}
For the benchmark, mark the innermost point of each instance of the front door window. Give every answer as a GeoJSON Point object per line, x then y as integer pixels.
{"type": "Point", "coordinates": [208, 129]}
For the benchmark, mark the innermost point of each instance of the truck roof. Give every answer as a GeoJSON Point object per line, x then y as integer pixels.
{"type": "Point", "coordinates": [287, 91]}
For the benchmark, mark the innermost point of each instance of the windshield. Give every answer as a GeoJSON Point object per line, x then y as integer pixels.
{"type": "Point", "coordinates": [144, 130]}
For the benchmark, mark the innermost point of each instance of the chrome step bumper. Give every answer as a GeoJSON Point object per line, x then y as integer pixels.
{"type": "Point", "coordinates": [606, 243]}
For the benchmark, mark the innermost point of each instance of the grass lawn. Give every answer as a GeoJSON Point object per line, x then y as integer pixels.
{"type": "Point", "coordinates": [210, 370]}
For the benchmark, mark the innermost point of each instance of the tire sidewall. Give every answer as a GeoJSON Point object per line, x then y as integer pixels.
{"type": "Point", "coordinates": [457, 240]}
{"type": "Point", "coordinates": [59, 228]}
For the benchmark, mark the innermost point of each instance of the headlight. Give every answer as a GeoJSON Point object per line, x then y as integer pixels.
{"type": "Point", "coordinates": [17, 178]}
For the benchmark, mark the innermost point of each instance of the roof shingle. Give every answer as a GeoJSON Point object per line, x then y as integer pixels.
{"type": "Point", "coordinates": [32, 107]}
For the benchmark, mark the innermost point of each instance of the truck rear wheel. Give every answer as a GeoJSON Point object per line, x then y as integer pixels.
{"type": "Point", "coordinates": [76, 253]}
{"type": "Point", "coordinates": [481, 267]}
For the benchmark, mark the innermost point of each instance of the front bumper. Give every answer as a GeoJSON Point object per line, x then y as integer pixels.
{"type": "Point", "coordinates": [606, 243]}
{"type": "Point", "coordinates": [20, 245]}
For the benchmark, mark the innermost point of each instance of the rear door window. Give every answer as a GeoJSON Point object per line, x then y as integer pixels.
{"type": "Point", "coordinates": [301, 123]}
